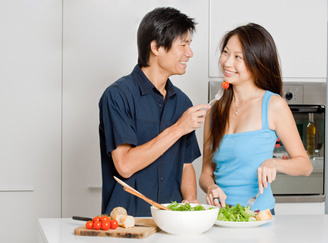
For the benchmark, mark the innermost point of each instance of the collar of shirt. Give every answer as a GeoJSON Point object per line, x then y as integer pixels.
{"type": "Point", "coordinates": [146, 85]}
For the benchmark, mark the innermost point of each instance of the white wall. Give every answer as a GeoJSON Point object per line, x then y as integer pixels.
{"type": "Point", "coordinates": [30, 105]}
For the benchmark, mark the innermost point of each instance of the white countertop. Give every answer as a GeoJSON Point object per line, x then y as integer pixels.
{"type": "Point", "coordinates": [284, 228]}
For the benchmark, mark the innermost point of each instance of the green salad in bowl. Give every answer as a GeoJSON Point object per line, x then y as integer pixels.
{"type": "Point", "coordinates": [174, 206]}
{"type": "Point", "coordinates": [185, 218]}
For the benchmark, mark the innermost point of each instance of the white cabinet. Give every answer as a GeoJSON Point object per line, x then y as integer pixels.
{"type": "Point", "coordinates": [30, 104]}
{"type": "Point", "coordinates": [300, 208]}
{"type": "Point", "coordinates": [299, 28]}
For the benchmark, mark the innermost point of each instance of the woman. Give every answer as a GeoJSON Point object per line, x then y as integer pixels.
{"type": "Point", "coordinates": [242, 127]}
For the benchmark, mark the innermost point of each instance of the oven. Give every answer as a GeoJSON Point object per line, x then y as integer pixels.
{"type": "Point", "coordinates": [307, 101]}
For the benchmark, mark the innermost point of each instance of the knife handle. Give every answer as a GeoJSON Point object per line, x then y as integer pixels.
{"type": "Point", "coordinates": [81, 218]}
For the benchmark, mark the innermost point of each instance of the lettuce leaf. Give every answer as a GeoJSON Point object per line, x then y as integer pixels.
{"type": "Point", "coordinates": [236, 213]}
{"type": "Point", "coordinates": [174, 206]}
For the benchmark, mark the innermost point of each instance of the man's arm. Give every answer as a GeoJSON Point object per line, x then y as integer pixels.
{"type": "Point", "coordinates": [128, 160]}
{"type": "Point", "coordinates": [188, 184]}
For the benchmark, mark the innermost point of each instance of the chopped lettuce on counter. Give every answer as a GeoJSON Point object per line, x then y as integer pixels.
{"type": "Point", "coordinates": [236, 213]}
{"type": "Point", "coordinates": [174, 206]}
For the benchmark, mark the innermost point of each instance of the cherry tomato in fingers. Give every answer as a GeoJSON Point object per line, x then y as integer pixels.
{"type": "Point", "coordinates": [97, 225]}
{"type": "Point", "coordinates": [113, 224]}
{"type": "Point", "coordinates": [89, 224]}
{"type": "Point", "coordinates": [105, 225]}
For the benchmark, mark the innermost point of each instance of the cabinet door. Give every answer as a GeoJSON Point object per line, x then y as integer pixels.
{"type": "Point", "coordinates": [299, 28]}
{"type": "Point", "coordinates": [30, 104]}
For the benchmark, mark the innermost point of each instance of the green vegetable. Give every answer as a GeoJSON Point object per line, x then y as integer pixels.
{"type": "Point", "coordinates": [174, 206]}
{"type": "Point", "coordinates": [236, 214]}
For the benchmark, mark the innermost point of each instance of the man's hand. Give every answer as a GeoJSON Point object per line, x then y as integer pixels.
{"type": "Point", "coordinates": [192, 118]}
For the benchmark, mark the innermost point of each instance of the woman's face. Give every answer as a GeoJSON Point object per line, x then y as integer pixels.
{"type": "Point", "coordinates": [233, 64]}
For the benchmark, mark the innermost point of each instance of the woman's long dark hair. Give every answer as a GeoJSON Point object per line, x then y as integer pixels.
{"type": "Point", "coordinates": [261, 59]}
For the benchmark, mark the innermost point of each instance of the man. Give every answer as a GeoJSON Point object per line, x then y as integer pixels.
{"type": "Point", "coordinates": [147, 125]}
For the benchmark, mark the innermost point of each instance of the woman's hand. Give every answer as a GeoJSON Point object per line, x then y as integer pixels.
{"type": "Point", "coordinates": [266, 173]}
{"type": "Point", "coordinates": [216, 196]}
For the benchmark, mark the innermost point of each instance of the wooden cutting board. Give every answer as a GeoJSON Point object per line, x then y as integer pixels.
{"type": "Point", "coordinates": [137, 232]}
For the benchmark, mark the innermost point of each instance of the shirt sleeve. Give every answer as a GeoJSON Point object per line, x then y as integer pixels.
{"type": "Point", "coordinates": [192, 150]}
{"type": "Point", "coordinates": [116, 119]}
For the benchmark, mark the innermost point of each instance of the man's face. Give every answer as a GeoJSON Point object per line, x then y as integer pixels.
{"type": "Point", "coordinates": [175, 60]}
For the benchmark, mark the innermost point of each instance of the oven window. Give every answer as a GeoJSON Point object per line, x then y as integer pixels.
{"type": "Point", "coordinates": [310, 122]}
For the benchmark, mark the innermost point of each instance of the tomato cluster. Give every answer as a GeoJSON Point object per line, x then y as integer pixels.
{"type": "Point", "coordinates": [101, 222]}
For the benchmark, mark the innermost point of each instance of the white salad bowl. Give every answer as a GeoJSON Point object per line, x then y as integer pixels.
{"type": "Point", "coordinates": [185, 222]}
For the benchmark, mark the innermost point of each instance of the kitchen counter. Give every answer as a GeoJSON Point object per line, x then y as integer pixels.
{"type": "Point", "coordinates": [284, 228]}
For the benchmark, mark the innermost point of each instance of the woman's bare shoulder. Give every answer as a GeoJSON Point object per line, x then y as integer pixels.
{"type": "Point", "coordinates": [277, 103]}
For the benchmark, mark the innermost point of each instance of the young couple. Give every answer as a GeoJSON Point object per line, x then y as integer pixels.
{"type": "Point", "coordinates": [147, 125]}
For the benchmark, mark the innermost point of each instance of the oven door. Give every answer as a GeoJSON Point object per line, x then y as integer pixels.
{"type": "Point", "coordinates": [301, 188]}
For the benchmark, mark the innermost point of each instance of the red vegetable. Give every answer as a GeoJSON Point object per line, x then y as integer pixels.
{"type": "Point", "coordinates": [225, 85]}
{"type": "Point", "coordinates": [97, 225]}
{"type": "Point", "coordinates": [113, 224]}
{"type": "Point", "coordinates": [105, 225]}
{"type": "Point", "coordinates": [89, 225]}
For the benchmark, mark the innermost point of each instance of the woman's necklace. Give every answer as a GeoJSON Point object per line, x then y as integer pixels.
{"type": "Point", "coordinates": [237, 107]}
{"type": "Point", "coordinates": [236, 110]}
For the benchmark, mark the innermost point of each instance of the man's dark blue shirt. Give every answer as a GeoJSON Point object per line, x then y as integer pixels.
{"type": "Point", "coordinates": [133, 111]}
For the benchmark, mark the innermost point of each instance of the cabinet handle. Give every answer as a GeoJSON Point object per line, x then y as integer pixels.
{"type": "Point", "coordinates": [17, 189]}
{"type": "Point", "coordinates": [94, 187]}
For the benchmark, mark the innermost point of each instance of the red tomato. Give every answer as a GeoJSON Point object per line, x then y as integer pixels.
{"type": "Point", "coordinates": [225, 85]}
{"type": "Point", "coordinates": [105, 225]}
{"type": "Point", "coordinates": [97, 218]}
{"type": "Point", "coordinates": [113, 224]}
{"type": "Point", "coordinates": [104, 218]}
{"type": "Point", "coordinates": [97, 225]}
{"type": "Point", "coordinates": [89, 224]}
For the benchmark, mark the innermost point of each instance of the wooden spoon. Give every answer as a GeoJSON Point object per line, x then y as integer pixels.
{"type": "Point", "coordinates": [134, 192]}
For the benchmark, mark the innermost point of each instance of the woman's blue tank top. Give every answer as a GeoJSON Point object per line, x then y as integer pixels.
{"type": "Point", "coordinates": [237, 159]}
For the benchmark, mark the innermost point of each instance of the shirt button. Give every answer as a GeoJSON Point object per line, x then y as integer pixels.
{"type": "Point", "coordinates": [161, 179]}
{"type": "Point", "coordinates": [160, 105]}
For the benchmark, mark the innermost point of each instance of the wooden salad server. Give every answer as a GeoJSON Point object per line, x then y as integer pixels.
{"type": "Point", "coordinates": [134, 192]}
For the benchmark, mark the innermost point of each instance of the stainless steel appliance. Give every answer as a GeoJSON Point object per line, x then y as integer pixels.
{"type": "Point", "coordinates": [306, 100]}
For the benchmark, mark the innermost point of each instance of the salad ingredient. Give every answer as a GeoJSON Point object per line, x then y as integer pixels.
{"type": "Point", "coordinates": [121, 216]}
{"type": "Point", "coordinates": [117, 211]}
{"type": "Point", "coordinates": [97, 218]}
{"type": "Point", "coordinates": [104, 218]}
{"type": "Point", "coordinates": [225, 85]}
{"type": "Point", "coordinates": [89, 224]}
{"type": "Point", "coordinates": [113, 224]}
{"type": "Point", "coordinates": [236, 213]}
{"type": "Point", "coordinates": [105, 225]}
{"type": "Point", "coordinates": [174, 206]}
{"type": "Point", "coordinates": [127, 221]}
{"type": "Point", "coordinates": [264, 215]}
{"type": "Point", "coordinates": [97, 225]}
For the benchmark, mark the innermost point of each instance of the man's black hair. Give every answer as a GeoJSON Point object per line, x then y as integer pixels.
{"type": "Point", "coordinates": [162, 25]}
